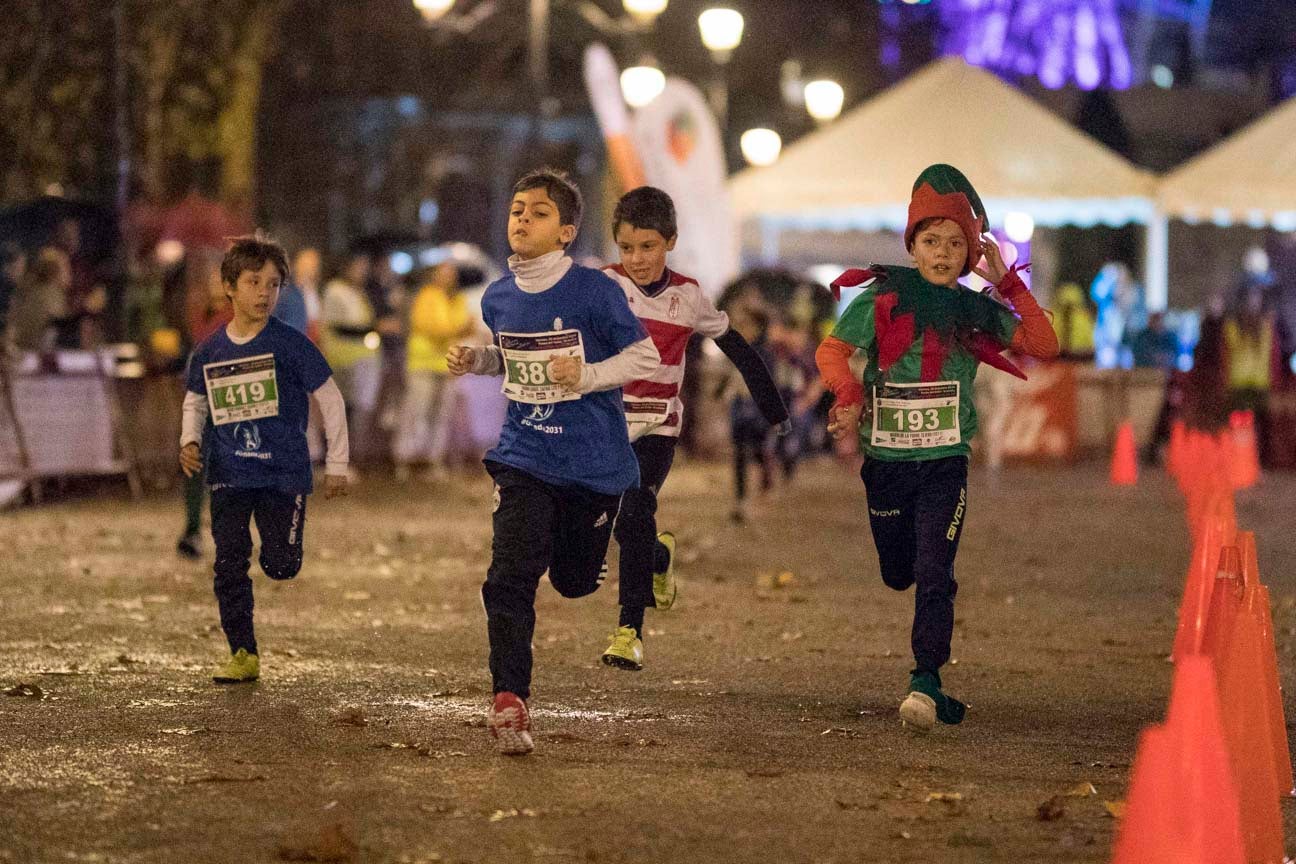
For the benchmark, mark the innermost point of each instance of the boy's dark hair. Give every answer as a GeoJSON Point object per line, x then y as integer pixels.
{"type": "Point", "coordinates": [648, 208]}
{"type": "Point", "coordinates": [924, 224]}
{"type": "Point", "coordinates": [560, 189]}
{"type": "Point", "coordinates": [252, 253]}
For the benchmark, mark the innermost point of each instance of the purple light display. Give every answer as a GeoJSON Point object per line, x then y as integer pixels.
{"type": "Point", "coordinates": [1057, 41]}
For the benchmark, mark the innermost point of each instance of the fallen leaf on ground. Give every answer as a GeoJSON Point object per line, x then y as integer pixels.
{"type": "Point", "coordinates": [351, 717]}
{"type": "Point", "coordinates": [1115, 809]}
{"type": "Point", "coordinates": [332, 843]}
{"type": "Point", "coordinates": [1051, 810]}
{"type": "Point", "coordinates": [1082, 790]}
{"type": "Point", "coordinates": [27, 691]}
{"type": "Point", "coordinates": [946, 797]}
{"type": "Point", "coordinates": [501, 815]}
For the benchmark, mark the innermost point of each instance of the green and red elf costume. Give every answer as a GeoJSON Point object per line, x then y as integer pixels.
{"type": "Point", "coordinates": [923, 344]}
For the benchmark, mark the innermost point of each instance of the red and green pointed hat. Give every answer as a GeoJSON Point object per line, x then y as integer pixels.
{"type": "Point", "coordinates": [942, 192]}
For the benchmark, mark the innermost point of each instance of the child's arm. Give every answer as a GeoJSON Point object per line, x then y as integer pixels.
{"type": "Point", "coordinates": [193, 416]}
{"type": "Point", "coordinates": [333, 411]}
{"type": "Point", "coordinates": [638, 360]}
{"type": "Point", "coordinates": [755, 375]}
{"type": "Point", "coordinates": [475, 360]}
{"type": "Point", "coordinates": [1035, 335]}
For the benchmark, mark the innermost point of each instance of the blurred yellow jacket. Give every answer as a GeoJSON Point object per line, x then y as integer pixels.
{"type": "Point", "coordinates": [436, 320]}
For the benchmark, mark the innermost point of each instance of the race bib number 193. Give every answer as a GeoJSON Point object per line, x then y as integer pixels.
{"type": "Point", "coordinates": [244, 389]}
{"type": "Point", "coordinates": [526, 365]}
{"type": "Point", "coordinates": [914, 416]}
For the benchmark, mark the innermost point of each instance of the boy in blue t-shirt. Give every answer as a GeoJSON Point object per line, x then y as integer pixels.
{"type": "Point", "coordinates": [565, 343]}
{"type": "Point", "coordinates": [245, 412]}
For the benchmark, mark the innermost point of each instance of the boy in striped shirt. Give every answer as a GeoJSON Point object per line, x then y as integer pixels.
{"type": "Point", "coordinates": [671, 307]}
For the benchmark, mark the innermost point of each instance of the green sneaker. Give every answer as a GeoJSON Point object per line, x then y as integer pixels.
{"type": "Point", "coordinates": [242, 667]}
{"type": "Point", "coordinates": [664, 583]}
{"type": "Point", "coordinates": [926, 703]}
{"type": "Point", "coordinates": [626, 650]}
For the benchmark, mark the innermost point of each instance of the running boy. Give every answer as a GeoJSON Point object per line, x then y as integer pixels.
{"type": "Point", "coordinates": [245, 412]}
{"type": "Point", "coordinates": [924, 335]}
{"type": "Point", "coordinates": [565, 342]}
{"type": "Point", "coordinates": [672, 308]}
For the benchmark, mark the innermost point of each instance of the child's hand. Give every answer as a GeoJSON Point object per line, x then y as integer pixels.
{"type": "Point", "coordinates": [461, 359]}
{"type": "Point", "coordinates": [335, 485]}
{"type": "Point", "coordinates": [995, 268]}
{"type": "Point", "coordinates": [565, 371]}
{"type": "Point", "coordinates": [190, 459]}
{"type": "Point", "coordinates": [844, 420]}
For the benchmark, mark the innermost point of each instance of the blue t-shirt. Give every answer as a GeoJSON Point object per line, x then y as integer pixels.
{"type": "Point", "coordinates": [582, 442]}
{"type": "Point", "coordinates": [258, 405]}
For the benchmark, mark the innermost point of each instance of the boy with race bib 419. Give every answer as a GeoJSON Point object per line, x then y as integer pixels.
{"type": "Point", "coordinates": [246, 406]}
{"type": "Point", "coordinates": [565, 343]}
{"type": "Point", "coordinates": [924, 335]}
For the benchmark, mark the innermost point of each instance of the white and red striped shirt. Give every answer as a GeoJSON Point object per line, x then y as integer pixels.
{"type": "Point", "coordinates": [671, 315]}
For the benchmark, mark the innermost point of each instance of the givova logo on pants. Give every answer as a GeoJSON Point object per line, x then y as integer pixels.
{"type": "Point", "coordinates": [958, 516]}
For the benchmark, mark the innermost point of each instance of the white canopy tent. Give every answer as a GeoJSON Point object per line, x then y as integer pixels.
{"type": "Point", "coordinates": [856, 174]}
{"type": "Point", "coordinates": [1247, 179]}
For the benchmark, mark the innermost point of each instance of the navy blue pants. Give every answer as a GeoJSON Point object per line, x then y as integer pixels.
{"type": "Point", "coordinates": [636, 526]}
{"type": "Point", "coordinates": [917, 511]}
{"type": "Point", "coordinates": [280, 520]}
{"type": "Point", "coordinates": [538, 527]}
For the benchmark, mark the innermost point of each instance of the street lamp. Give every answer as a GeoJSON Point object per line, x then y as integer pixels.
{"type": "Point", "coordinates": [642, 84]}
{"type": "Point", "coordinates": [644, 11]}
{"type": "Point", "coordinates": [823, 99]}
{"type": "Point", "coordinates": [433, 10]}
{"type": "Point", "coordinates": [722, 30]}
{"type": "Point", "coordinates": [761, 147]}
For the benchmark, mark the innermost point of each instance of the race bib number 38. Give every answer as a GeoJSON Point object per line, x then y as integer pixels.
{"type": "Point", "coordinates": [244, 389]}
{"type": "Point", "coordinates": [527, 376]}
{"type": "Point", "coordinates": [915, 416]}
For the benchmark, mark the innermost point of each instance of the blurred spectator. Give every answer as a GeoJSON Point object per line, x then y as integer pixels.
{"type": "Point", "coordinates": [793, 344]}
{"type": "Point", "coordinates": [13, 266]}
{"type": "Point", "coordinates": [1155, 347]}
{"type": "Point", "coordinates": [438, 317]}
{"type": "Point", "coordinates": [1074, 323]}
{"type": "Point", "coordinates": [306, 269]}
{"type": "Point", "coordinates": [347, 320]}
{"type": "Point", "coordinates": [1249, 343]}
{"type": "Point", "coordinates": [1205, 398]}
{"type": "Point", "coordinates": [41, 301]}
{"type": "Point", "coordinates": [390, 298]}
{"type": "Point", "coordinates": [748, 430]}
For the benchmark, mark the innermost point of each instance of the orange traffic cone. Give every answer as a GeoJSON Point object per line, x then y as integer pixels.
{"type": "Point", "coordinates": [1124, 464]}
{"type": "Point", "coordinates": [1175, 452]}
{"type": "Point", "coordinates": [1208, 808]}
{"type": "Point", "coordinates": [1257, 605]}
{"type": "Point", "coordinates": [1225, 603]}
{"type": "Point", "coordinates": [1245, 718]}
{"type": "Point", "coordinates": [1217, 531]}
{"type": "Point", "coordinates": [1149, 831]}
{"type": "Point", "coordinates": [1244, 464]}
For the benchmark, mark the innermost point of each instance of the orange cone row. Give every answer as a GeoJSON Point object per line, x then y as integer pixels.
{"type": "Point", "coordinates": [1206, 784]}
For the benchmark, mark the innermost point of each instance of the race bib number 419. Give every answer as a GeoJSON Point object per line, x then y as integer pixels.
{"type": "Point", "coordinates": [244, 389]}
{"type": "Point", "coordinates": [527, 375]}
{"type": "Point", "coordinates": [915, 416]}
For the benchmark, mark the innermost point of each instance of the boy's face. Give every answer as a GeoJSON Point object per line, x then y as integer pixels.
{"type": "Point", "coordinates": [643, 252]}
{"type": "Point", "coordinates": [534, 226]}
{"type": "Point", "coordinates": [255, 293]}
{"type": "Point", "coordinates": [940, 251]}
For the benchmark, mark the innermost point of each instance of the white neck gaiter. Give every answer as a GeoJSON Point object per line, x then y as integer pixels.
{"type": "Point", "coordinates": [539, 274]}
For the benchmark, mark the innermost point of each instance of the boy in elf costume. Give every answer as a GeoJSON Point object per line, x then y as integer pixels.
{"type": "Point", "coordinates": [924, 335]}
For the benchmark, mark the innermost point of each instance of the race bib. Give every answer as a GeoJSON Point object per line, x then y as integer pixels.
{"type": "Point", "coordinates": [915, 416]}
{"type": "Point", "coordinates": [645, 415]}
{"type": "Point", "coordinates": [244, 389]}
{"type": "Point", "coordinates": [527, 376]}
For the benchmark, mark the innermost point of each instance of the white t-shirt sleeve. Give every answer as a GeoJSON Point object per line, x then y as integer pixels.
{"type": "Point", "coordinates": [711, 322]}
{"type": "Point", "coordinates": [193, 416]}
{"type": "Point", "coordinates": [333, 411]}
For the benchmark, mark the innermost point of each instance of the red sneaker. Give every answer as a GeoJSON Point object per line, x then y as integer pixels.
{"type": "Point", "coordinates": [510, 725]}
